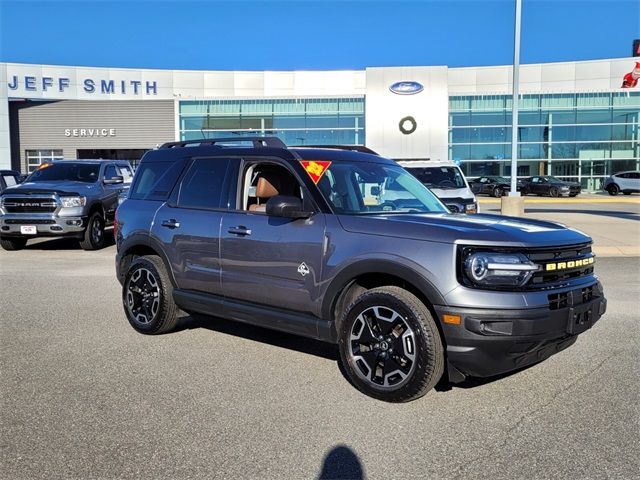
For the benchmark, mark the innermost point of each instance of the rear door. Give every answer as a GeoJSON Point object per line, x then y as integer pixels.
{"type": "Point", "coordinates": [267, 260]}
{"type": "Point", "coordinates": [188, 225]}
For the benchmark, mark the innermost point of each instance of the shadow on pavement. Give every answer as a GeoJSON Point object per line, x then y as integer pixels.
{"type": "Point", "coordinates": [259, 334]}
{"type": "Point", "coordinates": [341, 463]}
{"type": "Point", "coordinates": [66, 243]}
{"type": "Point", "coordinates": [308, 346]}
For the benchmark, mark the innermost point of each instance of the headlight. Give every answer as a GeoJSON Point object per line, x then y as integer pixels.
{"type": "Point", "coordinates": [68, 202]}
{"type": "Point", "coordinates": [470, 208]}
{"type": "Point", "coordinates": [499, 269]}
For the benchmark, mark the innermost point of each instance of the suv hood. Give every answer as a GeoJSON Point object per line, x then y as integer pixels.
{"type": "Point", "coordinates": [445, 193]}
{"type": "Point", "coordinates": [77, 188]}
{"type": "Point", "coordinates": [467, 229]}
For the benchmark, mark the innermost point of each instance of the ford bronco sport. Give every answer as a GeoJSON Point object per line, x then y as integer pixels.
{"type": "Point", "coordinates": [65, 198]}
{"type": "Point", "coordinates": [283, 238]}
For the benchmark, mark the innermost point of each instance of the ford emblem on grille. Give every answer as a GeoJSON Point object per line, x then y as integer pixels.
{"type": "Point", "coordinates": [406, 88]}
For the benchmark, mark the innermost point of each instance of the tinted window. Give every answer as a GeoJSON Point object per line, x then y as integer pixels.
{"type": "Point", "coordinates": [110, 171]}
{"type": "Point", "coordinates": [125, 173]}
{"type": "Point", "coordinates": [439, 177]}
{"type": "Point", "coordinates": [155, 180]}
{"type": "Point", "coordinates": [10, 180]}
{"type": "Point", "coordinates": [202, 185]}
{"type": "Point", "coordinates": [73, 172]}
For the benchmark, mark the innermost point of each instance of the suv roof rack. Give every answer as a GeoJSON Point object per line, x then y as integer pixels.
{"type": "Point", "coordinates": [353, 148]}
{"type": "Point", "coordinates": [270, 142]}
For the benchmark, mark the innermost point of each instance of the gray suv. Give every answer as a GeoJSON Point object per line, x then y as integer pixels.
{"type": "Point", "coordinates": [66, 198]}
{"type": "Point", "coordinates": [304, 240]}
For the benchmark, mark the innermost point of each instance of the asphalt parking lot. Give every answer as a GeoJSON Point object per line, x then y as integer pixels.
{"type": "Point", "coordinates": [84, 396]}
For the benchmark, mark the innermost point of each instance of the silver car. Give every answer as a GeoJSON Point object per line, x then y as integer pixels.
{"type": "Point", "coordinates": [625, 182]}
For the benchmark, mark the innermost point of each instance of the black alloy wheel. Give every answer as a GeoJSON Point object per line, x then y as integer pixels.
{"type": "Point", "coordinates": [613, 189]}
{"type": "Point", "coordinates": [390, 345]}
{"type": "Point", "coordinates": [147, 296]}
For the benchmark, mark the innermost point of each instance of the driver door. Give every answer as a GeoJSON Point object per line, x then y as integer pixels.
{"type": "Point", "coordinates": [272, 261]}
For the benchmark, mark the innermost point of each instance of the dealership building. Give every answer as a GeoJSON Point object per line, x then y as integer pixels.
{"type": "Point", "coordinates": [576, 121]}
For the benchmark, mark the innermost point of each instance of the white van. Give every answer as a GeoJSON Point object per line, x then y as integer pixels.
{"type": "Point", "coordinates": [446, 181]}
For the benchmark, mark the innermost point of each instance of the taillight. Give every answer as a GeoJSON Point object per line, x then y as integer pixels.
{"type": "Point", "coordinates": [115, 225]}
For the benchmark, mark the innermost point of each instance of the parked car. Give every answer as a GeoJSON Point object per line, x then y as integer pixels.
{"type": "Point", "coordinates": [65, 198]}
{"type": "Point", "coordinates": [548, 185]}
{"type": "Point", "coordinates": [446, 180]}
{"type": "Point", "coordinates": [494, 186]}
{"type": "Point", "coordinates": [625, 182]}
{"type": "Point", "coordinates": [282, 238]}
{"type": "Point", "coordinates": [9, 178]}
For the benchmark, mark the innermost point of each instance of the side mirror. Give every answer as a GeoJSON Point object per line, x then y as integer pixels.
{"type": "Point", "coordinates": [114, 180]}
{"type": "Point", "coordinates": [286, 206]}
{"type": "Point", "coordinates": [375, 191]}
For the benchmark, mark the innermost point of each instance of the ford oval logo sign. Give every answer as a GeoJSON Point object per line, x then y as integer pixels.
{"type": "Point", "coordinates": [406, 88]}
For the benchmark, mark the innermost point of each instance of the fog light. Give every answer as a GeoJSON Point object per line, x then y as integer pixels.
{"type": "Point", "coordinates": [56, 228]}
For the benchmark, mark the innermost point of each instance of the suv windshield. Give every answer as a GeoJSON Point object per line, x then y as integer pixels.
{"type": "Point", "coordinates": [439, 177]}
{"type": "Point", "coordinates": [74, 172]}
{"type": "Point", "coordinates": [361, 189]}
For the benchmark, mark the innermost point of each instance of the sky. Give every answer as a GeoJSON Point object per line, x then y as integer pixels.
{"type": "Point", "coordinates": [311, 34]}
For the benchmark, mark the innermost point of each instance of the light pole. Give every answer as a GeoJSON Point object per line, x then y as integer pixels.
{"type": "Point", "coordinates": [514, 204]}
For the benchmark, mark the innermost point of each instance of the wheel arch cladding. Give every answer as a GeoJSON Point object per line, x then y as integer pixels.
{"type": "Point", "coordinates": [140, 246]}
{"type": "Point", "coordinates": [367, 274]}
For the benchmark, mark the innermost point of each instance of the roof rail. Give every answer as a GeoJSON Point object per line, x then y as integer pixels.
{"type": "Point", "coordinates": [271, 142]}
{"type": "Point", "coordinates": [354, 148]}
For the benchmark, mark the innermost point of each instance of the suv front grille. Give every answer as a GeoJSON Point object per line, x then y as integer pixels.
{"type": "Point", "coordinates": [28, 221]}
{"type": "Point", "coordinates": [29, 205]}
{"type": "Point", "coordinates": [561, 264]}
{"type": "Point", "coordinates": [558, 301]}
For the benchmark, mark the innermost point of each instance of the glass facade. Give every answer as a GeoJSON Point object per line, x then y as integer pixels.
{"type": "Point", "coordinates": [304, 121]}
{"type": "Point", "coordinates": [576, 136]}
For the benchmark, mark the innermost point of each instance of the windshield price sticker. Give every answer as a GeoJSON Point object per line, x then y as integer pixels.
{"type": "Point", "coordinates": [315, 168]}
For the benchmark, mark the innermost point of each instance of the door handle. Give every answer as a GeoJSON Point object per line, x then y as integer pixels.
{"type": "Point", "coordinates": [171, 223]}
{"type": "Point", "coordinates": [240, 230]}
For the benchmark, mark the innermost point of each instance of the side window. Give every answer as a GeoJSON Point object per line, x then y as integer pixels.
{"type": "Point", "coordinates": [535, 180]}
{"type": "Point", "coordinates": [635, 175]}
{"type": "Point", "coordinates": [155, 180]}
{"type": "Point", "coordinates": [110, 171]}
{"type": "Point", "coordinates": [125, 173]}
{"type": "Point", "coordinates": [266, 180]}
{"type": "Point", "coordinates": [203, 183]}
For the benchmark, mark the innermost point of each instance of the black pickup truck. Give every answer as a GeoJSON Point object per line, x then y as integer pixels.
{"type": "Point", "coordinates": [66, 198]}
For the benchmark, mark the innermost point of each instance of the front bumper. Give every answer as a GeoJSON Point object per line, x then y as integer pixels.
{"type": "Point", "coordinates": [492, 342]}
{"type": "Point", "coordinates": [46, 225]}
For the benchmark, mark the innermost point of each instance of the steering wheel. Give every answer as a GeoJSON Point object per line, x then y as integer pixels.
{"type": "Point", "coordinates": [446, 183]}
{"type": "Point", "coordinates": [388, 205]}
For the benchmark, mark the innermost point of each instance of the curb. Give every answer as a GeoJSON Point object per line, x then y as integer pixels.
{"type": "Point", "coordinates": [566, 200]}
{"type": "Point", "coordinates": [621, 251]}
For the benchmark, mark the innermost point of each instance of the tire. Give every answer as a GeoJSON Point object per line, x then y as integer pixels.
{"type": "Point", "coordinates": [94, 233]}
{"type": "Point", "coordinates": [496, 192]}
{"type": "Point", "coordinates": [553, 192]}
{"type": "Point", "coordinates": [524, 192]}
{"type": "Point", "coordinates": [613, 189]}
{"type": "Point", "coordinates": [382, 320]}
{"type": "Point", "coordinates": [147, 297]}
{"type": "Point", "coordinates": [13, 243]}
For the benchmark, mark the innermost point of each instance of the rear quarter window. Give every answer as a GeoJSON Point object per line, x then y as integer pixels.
{"type": "Point", "coordinates": [155, 180]}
